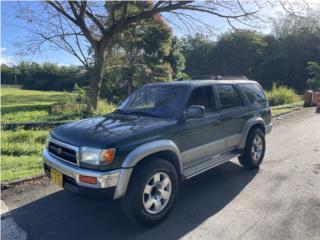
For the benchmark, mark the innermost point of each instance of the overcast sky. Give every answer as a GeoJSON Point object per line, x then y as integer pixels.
{"type": "Point", "coordinates": [12, 30]}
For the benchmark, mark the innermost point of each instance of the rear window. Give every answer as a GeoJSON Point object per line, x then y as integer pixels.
{"type": "Point", "coordinates": [254, 93]}
{"type": "Point", "coordinates": [229, 96]}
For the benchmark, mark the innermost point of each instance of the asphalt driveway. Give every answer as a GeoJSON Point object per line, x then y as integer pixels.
{"type": "Point", "coordinates": [280, 201]}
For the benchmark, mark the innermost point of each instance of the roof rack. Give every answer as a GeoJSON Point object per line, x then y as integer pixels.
{"type": "Point", "coordinates": [218, 77]}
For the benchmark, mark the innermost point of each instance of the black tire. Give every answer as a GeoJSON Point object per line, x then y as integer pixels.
{"type": "Point", "coordinates": [133, 202]}
{"type": "Point", "coordinates": [248, 159]}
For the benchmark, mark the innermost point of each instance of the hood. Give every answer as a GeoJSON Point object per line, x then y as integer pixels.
{"type": "Point", "coordinates": [110, 130]}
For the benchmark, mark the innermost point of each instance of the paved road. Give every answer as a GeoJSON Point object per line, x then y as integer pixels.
{"type": "Point", "coordinates": [280, 201]}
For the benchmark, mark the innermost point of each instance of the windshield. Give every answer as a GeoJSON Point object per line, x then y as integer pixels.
{"type": "Point", "coordinates": [153, 101]}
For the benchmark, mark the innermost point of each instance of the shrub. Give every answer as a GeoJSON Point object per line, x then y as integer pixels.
{"type": "Point", "coordinates": [281, 95]}
{"type": "Point", "coordinates": [104, 107]}
{"type": "Point", "coordinates": [75, 104]}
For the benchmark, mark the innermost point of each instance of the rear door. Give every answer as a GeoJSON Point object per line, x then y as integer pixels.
{"type": "Point", "coordinates": [233, 114]}
{"type": "Point", "coordinates": [201, 138]}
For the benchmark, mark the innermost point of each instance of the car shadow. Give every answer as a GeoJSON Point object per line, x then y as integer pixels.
{"type": "Point", "coordinates": [63, 215]}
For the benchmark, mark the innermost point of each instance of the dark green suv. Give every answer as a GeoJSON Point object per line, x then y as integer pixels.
{"type": "Point", "coordinates": [159, 136]}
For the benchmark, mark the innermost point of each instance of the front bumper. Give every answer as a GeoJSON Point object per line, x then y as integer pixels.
{"type": "Point", "coordinates": [114, 182]}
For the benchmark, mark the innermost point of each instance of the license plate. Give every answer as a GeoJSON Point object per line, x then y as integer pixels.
{"type": "Point", "coordinates": [56, 178]}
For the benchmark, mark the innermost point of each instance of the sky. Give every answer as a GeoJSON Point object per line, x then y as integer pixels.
{"type": "Point", "coordinates": [14, 30]}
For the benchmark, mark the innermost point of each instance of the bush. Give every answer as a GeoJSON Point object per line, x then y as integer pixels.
{"type": "Point", "coordinates": [280, 95]}
{"type": "Point", "coordinates": [75, 104]}
{"type": "Point", "coordinates": [104, 107]}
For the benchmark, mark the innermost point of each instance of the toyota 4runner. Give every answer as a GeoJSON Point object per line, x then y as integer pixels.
{"type": "Point", "coordinates": [159, 136]}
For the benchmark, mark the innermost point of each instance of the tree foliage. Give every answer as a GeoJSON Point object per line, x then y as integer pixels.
{"type": "Point", "coordinates": [46, 76]}
{"type": "Point", "coordinates": [69, 24]}
{"type": "Point", "coordinates": [142, 54]}
{"type": "Point", "coordinates": [265, 58]}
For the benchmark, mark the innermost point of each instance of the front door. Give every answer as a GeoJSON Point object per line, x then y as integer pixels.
{"type": "Point", "coordinates": [200, 138]}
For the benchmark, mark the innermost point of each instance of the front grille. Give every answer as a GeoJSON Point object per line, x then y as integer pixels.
{"type": "Point", "coordinates": [62, 152]}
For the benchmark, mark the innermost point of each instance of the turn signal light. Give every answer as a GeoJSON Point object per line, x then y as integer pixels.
{"type": "Point", "coordinates": [108, 155]}
{"type": "Point", "coordinates": [88, 179]}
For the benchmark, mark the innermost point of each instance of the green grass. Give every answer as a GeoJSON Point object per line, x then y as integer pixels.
{"type": "Point", "coordinates": [286, 108]}
{"type": "Point", "coordinates": [21, 149]}
{"type": "Point", "coordinates": [21, 153]}
{"type": "Point", "coordinates": [13, 168]}
{"type": "Point", "coordinates": [29, 106]}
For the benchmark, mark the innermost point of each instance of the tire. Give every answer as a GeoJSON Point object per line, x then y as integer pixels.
{"type": "Point", "coordinates": [254, 150]}
{"type": "Point", "coordinates": [147, 200]}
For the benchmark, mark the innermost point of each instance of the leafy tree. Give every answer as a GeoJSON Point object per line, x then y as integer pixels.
{"type": "Point", "coordinates": [144, 53]}
{"type": "Point", "coordinates": [238, 53]}
{"type": "Point", "coordinates": [46, 76]}
{"type": "Point", "coordinates": [196, 50]}
{"type": "Point", "coordinates": [70, 25]}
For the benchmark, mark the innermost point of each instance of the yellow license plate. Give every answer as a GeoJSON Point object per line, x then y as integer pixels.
{"type": "Point", "coordinates": [56, 178]}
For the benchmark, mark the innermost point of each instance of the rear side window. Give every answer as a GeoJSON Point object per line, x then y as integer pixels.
{"type": "Point", "coordinates": [254, 93]}
{"type": "Point", "coordinates": [229, 96]}
{"type": "Point", "coordinates": [203, 96]}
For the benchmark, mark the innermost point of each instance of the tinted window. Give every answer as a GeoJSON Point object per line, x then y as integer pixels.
{"type": "Point", "coordinates": [203, 96]}
{"type": "Point", "coordinates": [229, 96]}
{"type": "Point", "coordinates": [254, 93]}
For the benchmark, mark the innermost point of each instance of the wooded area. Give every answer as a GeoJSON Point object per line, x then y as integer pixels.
{"type": "Point", "coordinates": [148, 52]}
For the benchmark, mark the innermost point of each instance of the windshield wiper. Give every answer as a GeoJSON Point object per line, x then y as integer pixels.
{"type": "Point", "coordinates": [120, 111]}
{"type": "Point", "coordinates": [144, 113]}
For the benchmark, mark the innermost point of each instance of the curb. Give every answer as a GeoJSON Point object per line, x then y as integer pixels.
{"type": "Point", "coordinates": [8, 184]}
{"type": "Point", "coordinates": [287, 112]}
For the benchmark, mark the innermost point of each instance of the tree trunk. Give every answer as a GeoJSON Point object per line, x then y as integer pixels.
{"type": "Point", "coordinates": [129, 84]}
{"type": "Point", "coordinates": [96, 79]}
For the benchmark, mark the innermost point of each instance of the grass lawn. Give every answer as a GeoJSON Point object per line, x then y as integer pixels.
{"type": "Point", "coordinates": [286, 108]}
{"type": "Point", "coordinates": [28, 106]}
{"type": "Point", "coordinates": [21, 153]}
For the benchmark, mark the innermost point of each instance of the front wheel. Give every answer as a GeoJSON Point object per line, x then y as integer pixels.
{"type": "Point", "coordinates": [254, 149]}
{"type": "Point", "coordinates": [152, 192]}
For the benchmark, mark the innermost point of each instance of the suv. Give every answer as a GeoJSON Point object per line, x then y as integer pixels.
{"type": "Point", "coordinates": [159, 136]}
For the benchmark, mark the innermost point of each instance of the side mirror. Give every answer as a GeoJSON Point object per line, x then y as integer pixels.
{"type": "Point", "coordinates": [195, 111]}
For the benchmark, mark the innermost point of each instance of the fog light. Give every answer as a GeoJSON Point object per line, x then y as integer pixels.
{"type": "Point", "coordinates": [88, 179]}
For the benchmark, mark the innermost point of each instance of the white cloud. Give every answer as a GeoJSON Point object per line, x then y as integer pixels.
{"type": "Point", "coordinates": [8, 60]}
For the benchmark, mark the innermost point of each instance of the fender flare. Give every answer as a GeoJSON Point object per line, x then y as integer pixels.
{"type": "Point", "coordinates": [139, 153]}
{"type": "Point", "coordinates": [247, 127]}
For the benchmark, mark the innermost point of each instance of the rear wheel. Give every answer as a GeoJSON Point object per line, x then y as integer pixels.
{"type": "Point", "coordinates": [254, 149]}
{"type": "Point", "coordinates": [151, 192]}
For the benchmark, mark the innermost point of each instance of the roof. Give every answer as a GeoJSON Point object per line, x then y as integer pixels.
{"type": "Point", "coordinates": [202, 82]}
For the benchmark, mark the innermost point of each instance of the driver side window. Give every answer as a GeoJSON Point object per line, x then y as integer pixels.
{"type": "Point", "coordinates": [203, 96]}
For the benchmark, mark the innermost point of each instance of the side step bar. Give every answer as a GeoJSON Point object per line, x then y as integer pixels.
{"type": "Point", "coordinates": [208, 164]}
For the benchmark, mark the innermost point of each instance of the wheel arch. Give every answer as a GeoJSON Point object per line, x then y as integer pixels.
{"type": "Point", "coordinates": [251, 124]}
{"type": "Point", "coordinates": [166, 149]}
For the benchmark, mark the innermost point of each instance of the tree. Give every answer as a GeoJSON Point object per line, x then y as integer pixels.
{"type": "Point", "coordinates": [70, 25]}
{"type": "Point", "coordinates": [143, 49]}
{"type": "Point", "coordinates": [238, 53]}
{"type": "Point", "coordinates": [196, 50]}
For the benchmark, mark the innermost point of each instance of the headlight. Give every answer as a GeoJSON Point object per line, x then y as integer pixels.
{"type": "Point", "coordinates": [94, 156]}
